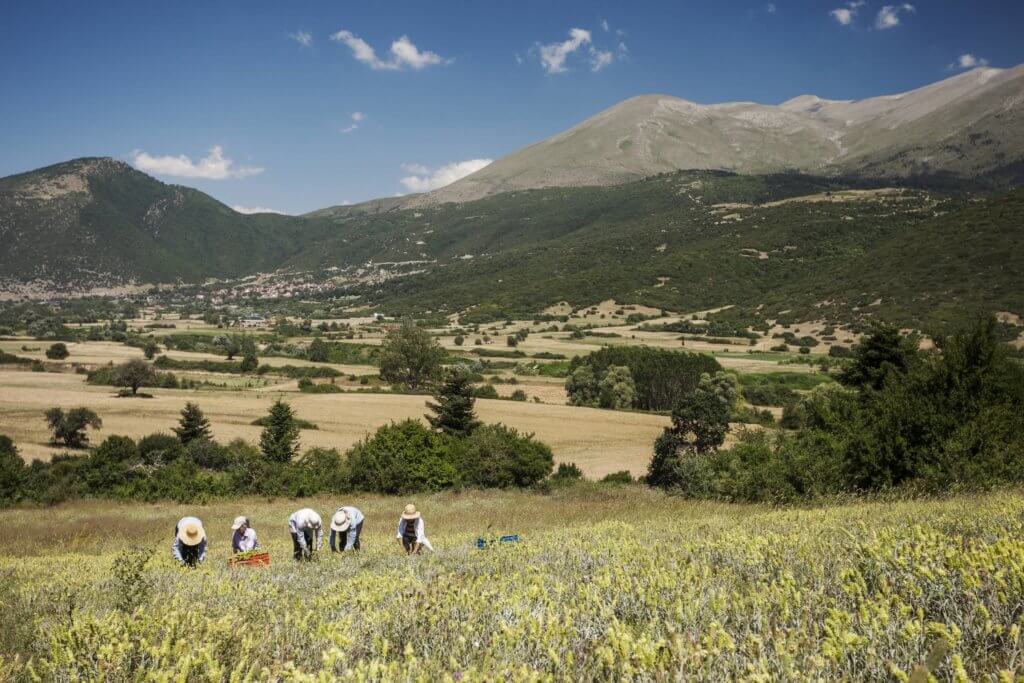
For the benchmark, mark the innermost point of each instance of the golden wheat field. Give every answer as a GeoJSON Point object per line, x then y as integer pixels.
{"type": "Point", "coordinates": [599, 441]}
{"type": "Point", "coordinates": [607, 583]}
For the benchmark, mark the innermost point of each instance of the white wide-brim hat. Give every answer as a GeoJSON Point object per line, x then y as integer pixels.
{"type": "Point", "coordinates": [191, 534]}
{"type": "Point", "coordinates": [340, 521]}
{"type": "Point", "coordinates": [239, 522]}
{"type": "Point", "coordinates": [411, 512]}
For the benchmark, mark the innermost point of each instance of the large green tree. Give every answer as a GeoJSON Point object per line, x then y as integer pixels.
{"type": "Point", "coordinates": [453, 410]}
{"type": "Point", "coordinates": [279, 441]}
{"type": "Point", "coordinates": [192, 425]}
{"type": "Point", "coordinates": [410, 356]}
{"type": "Point", "coordinates": [70, 427]}
{"type": "Point", "coordinates": [134, 374]}
{"type": "Point", "coordinates": [247, 347]}
{"type": "Point", "coordinates": [317, 351]}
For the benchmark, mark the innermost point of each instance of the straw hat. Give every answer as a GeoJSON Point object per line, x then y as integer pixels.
{"type": "Point", "coordinates": [239, 523]}
{"type": "Point", "coordinates": [410, 512]}
{"type": "Point", "coordinates": [191, 533]}
{"type": "Point", "coordinates": [340, 521]}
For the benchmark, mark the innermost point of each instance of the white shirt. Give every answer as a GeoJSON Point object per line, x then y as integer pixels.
{"type": "Point", "coordinates": [245, 542]}
{"type": "Point", "coordinates": [305, 520]}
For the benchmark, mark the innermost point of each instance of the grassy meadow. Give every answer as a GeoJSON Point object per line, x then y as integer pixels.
{"type": "Point", "coordinates": [618, 583]}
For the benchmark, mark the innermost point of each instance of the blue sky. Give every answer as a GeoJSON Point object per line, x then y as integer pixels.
{"type": "Point", "coordinates": [257, 96]}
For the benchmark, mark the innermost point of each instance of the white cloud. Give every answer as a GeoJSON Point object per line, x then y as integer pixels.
{"type": "Point", "coordinates": [254, 209]}
{"type": "Point", "coordinates": [214, 166]}
{"type": "Point", "coordinates": [770, 8]}
{"type": "Point", "coordinates": [968, 61]}
{"type": "Point", "coordinates": [403, 53]}
{"type": "Point", "coordinates": [302, 38]}
{"type": "Point", "coordinates": [889, 16]}
{"type": "Point", "coordinates": [425, 179]}
{"type": "Point", "coordinates": [599, 59]}
{"type": "Point", "coordinates": [357, 117]}
{"type": "Point", "coordinates": [604, 25]}
{"type": "Point", "coordinates": [845, 15]}
{"type": "Point", "coordinates": [553, 56]}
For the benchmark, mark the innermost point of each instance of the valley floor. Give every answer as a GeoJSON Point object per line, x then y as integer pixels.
{"type": "Point", "coordinates": [607, 583]}
{"type": "Point", "coordinates": [599, 441]}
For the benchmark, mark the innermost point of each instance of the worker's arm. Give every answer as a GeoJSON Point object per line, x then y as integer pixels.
{"type": "Point", "coordinates": [319, 542]}
{"type": "Point", "coordinates": [202, 550]}
{"type": "Point", "coordinates": [176, 549]}
{"type": "Point", "coordinates": [350, 538]}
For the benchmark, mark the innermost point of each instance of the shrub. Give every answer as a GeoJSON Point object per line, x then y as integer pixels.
{"type": "Point", "coordinates": [57, 351]}
{"type": "Point", "coordinates": [299, 422]}
{"type": "Point", "coordinates": [485, 391]}
{"type": "Point", "coordinates": [498, 456]}
{"type": "Point", "coordinates": [621, 477]}
{"type": "Point", "coordinates": [567, 471]}
{"type": "Point", "coordinates": [403, 457]}
{"type": "Point", "coordinates": [518, 395]}
{"type": "Point", "coordinates": [12, 471]}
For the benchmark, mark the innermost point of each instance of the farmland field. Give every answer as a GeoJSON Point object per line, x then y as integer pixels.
{"type": "Point", "coordinates": [607, 583]}
{"type": "Point", "coordinates": [599, 441]}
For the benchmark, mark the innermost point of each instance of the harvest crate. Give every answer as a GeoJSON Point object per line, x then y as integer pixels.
{"type": "Point", "coordinates": [255, 560]}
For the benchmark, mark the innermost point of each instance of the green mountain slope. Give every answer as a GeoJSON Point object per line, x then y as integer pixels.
{"type": "Point", "coordinates": [99, 222]}
{"type": "Point", "coordinates": [783, 245]}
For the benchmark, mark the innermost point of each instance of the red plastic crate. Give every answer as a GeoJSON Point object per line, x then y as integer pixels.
{"type": "Point", "coordinates": [259, 560]}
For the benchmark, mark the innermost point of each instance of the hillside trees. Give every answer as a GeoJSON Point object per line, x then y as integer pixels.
{"type": "Point", "coordinates": [248, 349]}
{"type": "Point", "coordinates": [410, 356]}
{"type": "Point", "coordinates": [924, 420]}
{"type": "Point", "coordinates": [70, 427]}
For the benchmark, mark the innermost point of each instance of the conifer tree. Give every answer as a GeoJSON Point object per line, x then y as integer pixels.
{"type": "Point", "coordinates": [193, 424]}
{"type": "Point", "coordinates": [454, 413]}
{"type": "Point", "coordinates": [279, 441]}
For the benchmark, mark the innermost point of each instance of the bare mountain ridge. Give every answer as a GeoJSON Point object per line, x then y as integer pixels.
{"type": "Point", "coordinates": [967, 125]}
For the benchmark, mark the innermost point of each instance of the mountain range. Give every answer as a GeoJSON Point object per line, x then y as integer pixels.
{"type": "Point", "coordinates": [633, 203]}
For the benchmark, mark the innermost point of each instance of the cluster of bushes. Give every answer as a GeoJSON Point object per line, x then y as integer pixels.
{"type": "Point", "coordinates": [660, 377]}
{"type": "Point", "coordinates": [713, 328]}
{"type": "Point", "coordinates": [899, 418]}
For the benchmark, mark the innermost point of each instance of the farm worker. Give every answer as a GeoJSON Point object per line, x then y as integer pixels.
{"type": "Point", "coordinates": [410, 531]}
{"type": "Point", "coordinates": [189, 546]}
{"type": "Point", "coordinates": [307, 531]}
{"type": "Point", "coordinates": [244, 537]}
{"type": "Point", "coordinates": [346, 526]}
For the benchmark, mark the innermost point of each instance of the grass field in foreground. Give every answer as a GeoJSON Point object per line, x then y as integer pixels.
{"type": "Point", "coordinates": [607, 584]}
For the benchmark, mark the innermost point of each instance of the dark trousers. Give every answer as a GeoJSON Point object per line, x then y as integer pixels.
{"type": "Point", "coordinates": [339, 539]}
{"type": "Point", "coordinates": [190, 555]}
{"type": "Point", "coordinates": [299, 554]}
{"type": "Point", "coordinates": [409, 542]}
